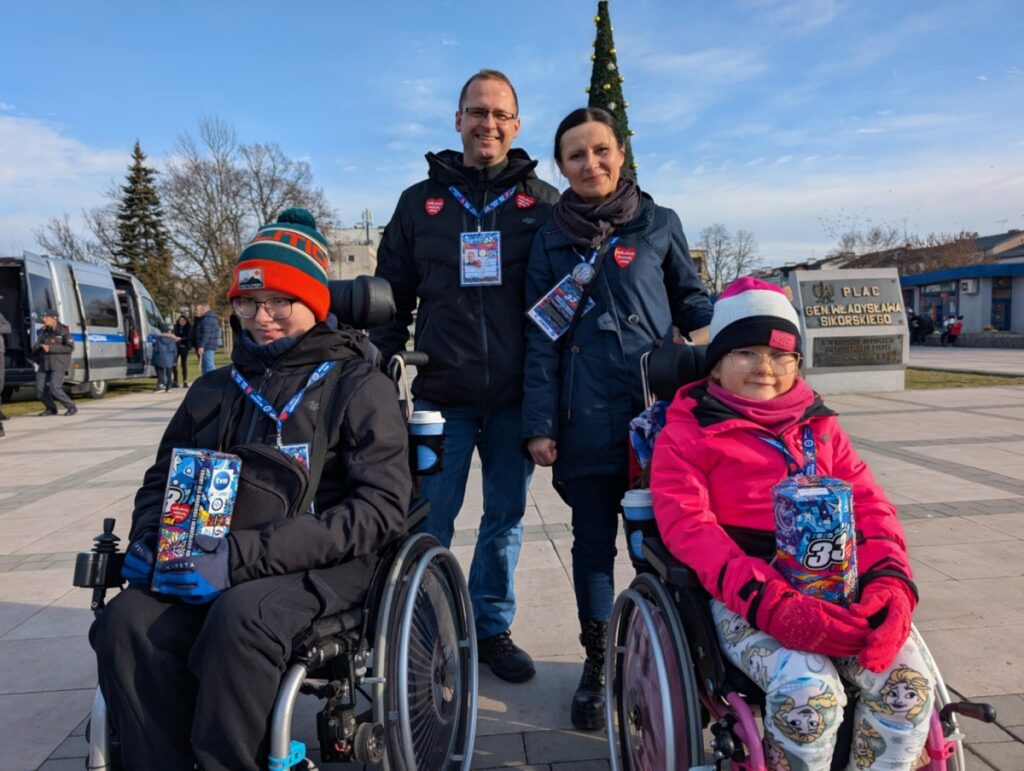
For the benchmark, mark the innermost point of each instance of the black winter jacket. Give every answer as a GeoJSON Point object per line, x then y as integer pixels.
{"type": "Point", "coordinates": [583, 392]}
{"type": "Point", "coordinates": [473, 335]}
{"type": "Point", "coordinates": [364, 492]}
{"type": "Point", "coordinates": [58, 358]}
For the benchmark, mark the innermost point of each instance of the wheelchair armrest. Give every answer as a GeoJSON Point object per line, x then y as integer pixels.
{"type": "Point", "coordinates": [671, 570]}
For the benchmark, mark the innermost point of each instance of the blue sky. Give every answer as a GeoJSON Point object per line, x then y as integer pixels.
{"type": "Point", "coordinates": [775, 116]}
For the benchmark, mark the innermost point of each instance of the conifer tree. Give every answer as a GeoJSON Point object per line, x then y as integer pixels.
{"type": "Point", "coordinates": [142, 246]}
{"type": "Point", "coordinates": [606, 82]}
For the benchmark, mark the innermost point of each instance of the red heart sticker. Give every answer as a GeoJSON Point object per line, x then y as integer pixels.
{"type": "Point", "coordinates": [179, 512]}
{"type": "Point", "coordinates": [784, 341]}
{"type": "Point", "coordinates": [433, 205]}
{"type": "Point", "coordinates": [624, 255]}
{"type": "Point", "coordinates": [524, 201]}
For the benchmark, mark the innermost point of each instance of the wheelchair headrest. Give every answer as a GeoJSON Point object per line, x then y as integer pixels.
{"type": "Point", "coordinates": [363, 302]}
{"type": "Point", "coordinates": [672, 366]}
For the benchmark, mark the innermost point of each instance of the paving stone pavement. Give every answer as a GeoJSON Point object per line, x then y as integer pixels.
{"type": "Point", "coordinates": [953, 461]}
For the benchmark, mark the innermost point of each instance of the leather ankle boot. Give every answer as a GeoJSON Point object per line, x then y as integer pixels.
{"type": "Point", "coordinates": [588, 702]}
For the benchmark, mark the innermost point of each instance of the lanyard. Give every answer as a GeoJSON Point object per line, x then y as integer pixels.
{"type": "Point", "coordinates": [597, 250]}
{"type": "Point", "coordinates": [267, 408]}
{"type": "Point", "coordinates": [585, 272]}
{"type": "Point", "coordinates": [810, 454]}
{"type": "Point", "coordinates": [487, 209]}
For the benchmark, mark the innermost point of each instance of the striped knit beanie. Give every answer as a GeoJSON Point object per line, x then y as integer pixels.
{"type": "Point", "coordinates": [752, 312]}
{"type": "Point", "coordinates": [289, 255]}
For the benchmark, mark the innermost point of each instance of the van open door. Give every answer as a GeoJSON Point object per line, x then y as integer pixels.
{"type": "Point", "coordinates": [100, 336]}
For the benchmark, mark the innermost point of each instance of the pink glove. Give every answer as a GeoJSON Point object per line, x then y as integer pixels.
{"type": "Point", "coordinates": [894, 599]}
{"type": "Point", "coordinates": [804, 623]}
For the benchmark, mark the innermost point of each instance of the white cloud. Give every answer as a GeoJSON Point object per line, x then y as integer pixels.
{"type": "Point", "coordinates": [799, 14]}
{"type": "Point", "coordinates": [872, 130]}
{"type": "Point", "coordinates": [45, 172]}
{"type": "Point", "coordinates": [712, 66]}
{"type": "Point", "coordinates": [4, 107]}
{"type": "Point", "coordinates": [982, 77]}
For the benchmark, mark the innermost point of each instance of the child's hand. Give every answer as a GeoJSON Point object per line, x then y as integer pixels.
{"type": "Point", "coordinates": [888, 604]}
{"type": "Point", "coordinates": [804, 623]}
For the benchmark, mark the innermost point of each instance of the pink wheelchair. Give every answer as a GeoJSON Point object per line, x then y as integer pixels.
{"type": "Point", "coordinates": [667, 679]}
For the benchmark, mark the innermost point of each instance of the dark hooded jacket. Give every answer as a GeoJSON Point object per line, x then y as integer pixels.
{"type": "Point", "coordinates": [61, 344]}
{"type": "Point", "coordinates": [364, 491]}
{"type": "Point", "coordinates": [584, 391]}
{"type": "Point", "coordinates": [473, 335]}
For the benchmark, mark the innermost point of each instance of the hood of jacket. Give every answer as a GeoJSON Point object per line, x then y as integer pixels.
{"type": "Point", "coordinates": [446, 167]}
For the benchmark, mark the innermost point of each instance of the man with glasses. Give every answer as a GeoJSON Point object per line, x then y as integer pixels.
{"type": "Point", "coordinates": [458, 243]}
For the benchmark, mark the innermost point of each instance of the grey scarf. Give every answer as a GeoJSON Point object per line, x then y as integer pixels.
{"type": "Point", "coordinates": [587, 224]}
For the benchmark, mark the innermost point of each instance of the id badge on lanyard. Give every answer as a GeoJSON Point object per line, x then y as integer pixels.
{"type": "Point", "coordinates": [553, 312]}
{"type": "Point", "coordinates": [480, 250]}
{"type": "Point", "coordinates": [480, 258]}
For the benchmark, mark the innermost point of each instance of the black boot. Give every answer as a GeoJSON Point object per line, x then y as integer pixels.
{"type": "Point", "coordinates": [588, 703]}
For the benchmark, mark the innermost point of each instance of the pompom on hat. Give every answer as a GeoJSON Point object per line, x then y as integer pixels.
{"type": "Point", "coordinates": [289, 255]}
{"type": "Point", "coordinates": [752, 312]}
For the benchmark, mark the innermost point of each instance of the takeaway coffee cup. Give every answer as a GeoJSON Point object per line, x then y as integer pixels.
{"type": "Point", "coordinates": [426, 435]}
{"type": "Point", "coordinates": [639, 515]}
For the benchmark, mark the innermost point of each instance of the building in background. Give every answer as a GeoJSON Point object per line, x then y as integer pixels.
{"type": "Point", "coordinates": [353, 250]}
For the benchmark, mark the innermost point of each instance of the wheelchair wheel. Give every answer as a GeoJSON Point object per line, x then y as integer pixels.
{"type": "Point", "coordinates": [425, 650]}
{"type": "Point", "coordinates": [652, 702]}
{"type": "Point", "coordinates": [954, 762]}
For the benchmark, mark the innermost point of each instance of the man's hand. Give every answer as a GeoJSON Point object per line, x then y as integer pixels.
{"type": "Point", "coordinates": [543, 450]}
{"type": "Point", "coordinates": [137, 569]}
{"type": "Point", "coordinates": [45, 347]}
{"type": "Point", "coordinates": [200, 352]}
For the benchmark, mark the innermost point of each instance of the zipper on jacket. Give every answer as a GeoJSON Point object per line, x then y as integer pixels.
{"type": "Point", "coordinates": [480, 296]}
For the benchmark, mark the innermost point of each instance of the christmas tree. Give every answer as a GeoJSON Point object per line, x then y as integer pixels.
{"type": "Point", "coordinates": [142, 246]}
{"type": "Point", "coordinates": [606, 82]}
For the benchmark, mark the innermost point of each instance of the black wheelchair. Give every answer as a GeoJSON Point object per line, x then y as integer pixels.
{"type": "Point", "coordinates": [398, 675]}
{"type": "Point", "coordinates": [667, 679]}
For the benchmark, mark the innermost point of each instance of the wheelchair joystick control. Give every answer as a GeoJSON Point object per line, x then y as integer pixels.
{"type": "Point", "coordinates": [100, 569]}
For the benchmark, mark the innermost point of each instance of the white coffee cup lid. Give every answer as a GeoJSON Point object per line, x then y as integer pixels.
{"type": "Point", "coordinates": [640, 497]}
{"type": "Point", "coordinates": [426, 416]}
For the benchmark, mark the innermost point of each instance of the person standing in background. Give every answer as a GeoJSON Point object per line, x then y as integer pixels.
{"type": "Point", "coordinates": [207, 337]}
{"type": "Point", "coordinates": [182, 330]}
{"type": "Point", "coordinates": [52, 352]}
{"type": "Point", "coordinates": [5, 329]}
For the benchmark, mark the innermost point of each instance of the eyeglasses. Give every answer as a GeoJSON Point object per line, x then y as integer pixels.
{"type": "Point", "coordinates": [782, 363]}
{"type": "Point", "coordinates": [278, 308]}
{"type": "Point", "coordinates": [479, 115]}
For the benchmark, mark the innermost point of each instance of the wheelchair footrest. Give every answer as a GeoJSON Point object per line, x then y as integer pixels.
{"type": "Point", "coordinates": [296, 754]}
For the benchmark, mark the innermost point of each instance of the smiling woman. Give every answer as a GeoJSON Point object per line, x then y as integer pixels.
{"type": "Point", "coordinates": [606, 285]}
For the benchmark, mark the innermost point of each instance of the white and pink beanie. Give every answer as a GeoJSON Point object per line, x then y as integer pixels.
{"type": "Point", "coordinates": [752, 312]}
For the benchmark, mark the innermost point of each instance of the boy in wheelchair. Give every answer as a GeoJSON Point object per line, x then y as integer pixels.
{"type": "Point", "coordinates": [727, 440]}
{"type": "Point", "coordinates": [191, 655]}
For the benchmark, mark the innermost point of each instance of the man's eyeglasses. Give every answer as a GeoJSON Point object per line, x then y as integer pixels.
{"type": "Point", "coordinates": [781, 362]}
{"type": "Point", "coordinates": [479, 115]}
{"type": "Point", "coordinates": [278, 308]}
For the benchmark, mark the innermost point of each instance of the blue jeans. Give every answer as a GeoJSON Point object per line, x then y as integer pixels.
{"type": "Point", "coordinates": [496, 434]}
{"type": "Point", "coordinates": [207, 365]}
{"type": "Point", "coordinates": [595, 524]}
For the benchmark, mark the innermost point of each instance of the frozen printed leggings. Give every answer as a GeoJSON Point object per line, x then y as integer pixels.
{"type": "Point", "coordinates": [805, 696]}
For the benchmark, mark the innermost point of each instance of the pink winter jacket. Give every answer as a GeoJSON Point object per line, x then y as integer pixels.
{"type": "Point", "coordinates": [711, 479]}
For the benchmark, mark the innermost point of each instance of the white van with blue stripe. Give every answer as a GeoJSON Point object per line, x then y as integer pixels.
{"type": "Point", "coordinates": [109, 312]}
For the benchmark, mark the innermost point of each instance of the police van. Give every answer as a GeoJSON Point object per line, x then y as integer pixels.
{"type": "Point", "coordinates": [111, 316]}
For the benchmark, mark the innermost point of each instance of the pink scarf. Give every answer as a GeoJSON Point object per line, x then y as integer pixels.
{"type": "Point", "coordinates": [776, 414]}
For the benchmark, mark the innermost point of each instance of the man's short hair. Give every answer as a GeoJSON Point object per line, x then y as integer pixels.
{"type": "Point", "coordinates": [488, 75]}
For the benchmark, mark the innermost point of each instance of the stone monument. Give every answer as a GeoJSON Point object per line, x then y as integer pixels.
{"type": "Point", "coordinates": [854, 328]}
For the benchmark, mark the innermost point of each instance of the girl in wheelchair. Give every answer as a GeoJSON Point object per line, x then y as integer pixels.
{"type": "Point", "coordinates": [191, 655]}
{"type": "Point", "coordinates": [727, 440]}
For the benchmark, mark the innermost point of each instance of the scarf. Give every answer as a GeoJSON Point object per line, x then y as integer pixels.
{"type": "Point", "coordinates": [776, 414]}
{"type": "Point", "coordinates": [270, 352]}
{"type": "Point", "coordinates": [589, 225]}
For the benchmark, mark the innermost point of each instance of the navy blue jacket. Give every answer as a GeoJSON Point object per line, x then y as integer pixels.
{"type": "Point", "coordinates": [208, 332]}
{"type": "Point", "coordinates": [583, 392]}
{"type": "Point", "coordinates": [165, 351]}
